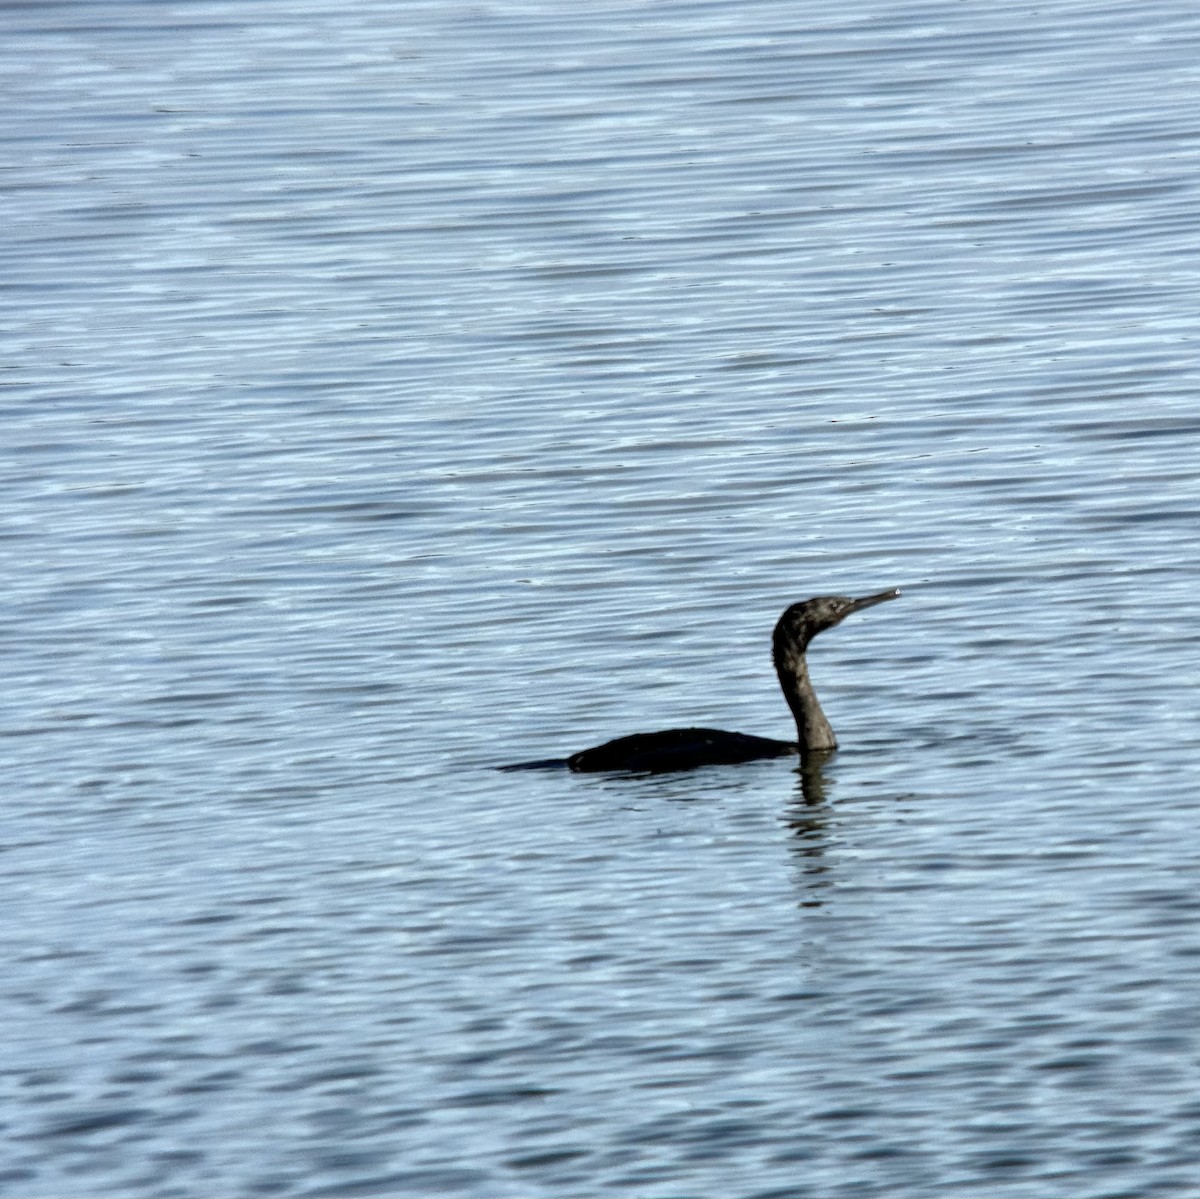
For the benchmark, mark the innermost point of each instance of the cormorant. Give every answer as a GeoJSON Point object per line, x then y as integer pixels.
{"type": "Point", "coordinates": [684, 749]}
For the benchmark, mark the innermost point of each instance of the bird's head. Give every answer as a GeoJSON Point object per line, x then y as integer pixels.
{"type": "Point", "coordinates": [803, 621]}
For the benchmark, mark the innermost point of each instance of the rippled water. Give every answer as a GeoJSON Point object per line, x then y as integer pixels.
{"type": "Point", "coordinates": [395, 391]}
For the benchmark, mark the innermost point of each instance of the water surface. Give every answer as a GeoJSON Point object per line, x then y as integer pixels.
{"type": "Point", "coordinates": [394, 393]}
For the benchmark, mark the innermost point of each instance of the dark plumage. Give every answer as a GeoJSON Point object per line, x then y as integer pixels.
{"type": "Point", "coordinates": [684, 749]}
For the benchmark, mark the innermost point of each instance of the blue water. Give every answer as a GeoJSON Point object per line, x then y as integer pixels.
{"type": "Point", "coordinates": [393, 392]}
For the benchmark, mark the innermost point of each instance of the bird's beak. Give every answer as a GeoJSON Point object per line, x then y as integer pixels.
{"type": "Point", "coordinates": [869, 601]}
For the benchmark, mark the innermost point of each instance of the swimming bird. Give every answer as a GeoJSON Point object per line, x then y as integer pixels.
{"type": "Point", "coordinates": [685, 749]}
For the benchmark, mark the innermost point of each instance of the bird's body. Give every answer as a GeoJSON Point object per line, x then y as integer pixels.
{"type": "Point", "coordinates": [685, 749]}
{"type": "Point", "coordinates": [679, 749]}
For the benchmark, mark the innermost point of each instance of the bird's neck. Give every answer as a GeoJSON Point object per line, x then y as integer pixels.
{"type": "Point", "coordinates": [812, 729]}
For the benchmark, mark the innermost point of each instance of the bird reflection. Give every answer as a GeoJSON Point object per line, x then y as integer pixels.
{"type": "Point", "coordinates": [807, 816]}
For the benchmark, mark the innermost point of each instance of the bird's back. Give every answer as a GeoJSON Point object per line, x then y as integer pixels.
{"type": "Point", "coordinates": [678, 749]}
